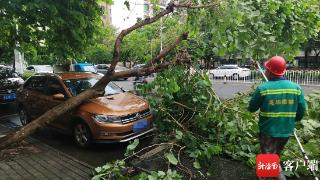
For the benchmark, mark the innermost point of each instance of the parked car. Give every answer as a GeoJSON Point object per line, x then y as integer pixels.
{"type": "Point", "coordinates": [138, 66]}
{"type": "Point", "coordinates": [83, 67]}
{"type": "Point", "coordinates": [102, 68]}
{"type": "Point", "coordinates": [9, 83]}
{"type": "Point", "coordinates": [40, 69]}
{"type": "Point", "coordinates": [145, 79]}
{"type": "Point", "coordinates": [117, 116]}
{"type": "Point", "coordinates": [233, 71]}
{"type": "Point", "coordinates": [120, 68]}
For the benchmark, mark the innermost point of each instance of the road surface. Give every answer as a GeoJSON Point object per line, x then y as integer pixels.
{"type": "Point", "coordinates": [224, 90]}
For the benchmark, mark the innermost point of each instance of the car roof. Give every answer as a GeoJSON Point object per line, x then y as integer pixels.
{"type": "Point", "coordinates": [83, 64]}
{"type": "Point", "coordinates": [40, 65]}
{"type": "Point", "coordinates": [76, 75]}
{"type": "Point", "coordinates": [230, 65]}
{"type": "Point", "coordinates": [69, 75]}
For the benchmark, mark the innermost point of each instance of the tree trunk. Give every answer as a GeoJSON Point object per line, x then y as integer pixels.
{"type": "Point", "coordinates": [46, 118]}
{"type": "Point", "coordinates": [317, 59]}
{"type": "Point", "coordinates": [306, 59]}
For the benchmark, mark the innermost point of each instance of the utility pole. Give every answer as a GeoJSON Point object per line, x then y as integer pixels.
{"type": "Point", "coordinates": [161, 28]}
{"type": "Point", "coordinates": [161, 36]}
{"type": "Point", "coordinates": [15, 50]}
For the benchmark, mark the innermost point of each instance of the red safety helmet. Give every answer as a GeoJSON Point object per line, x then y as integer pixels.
{"type": "Point", "coordinates": [276, 65]}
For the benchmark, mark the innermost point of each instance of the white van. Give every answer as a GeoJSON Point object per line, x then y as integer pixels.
{"type": "Point", "coordinates": [40, 68]}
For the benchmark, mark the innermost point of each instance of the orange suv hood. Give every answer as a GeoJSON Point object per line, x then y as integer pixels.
{"type": "Point", "coordinates": [117, 104]}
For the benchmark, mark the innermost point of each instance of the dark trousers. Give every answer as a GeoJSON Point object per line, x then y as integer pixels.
{"type": "Point", "coordinates": [273, 145]}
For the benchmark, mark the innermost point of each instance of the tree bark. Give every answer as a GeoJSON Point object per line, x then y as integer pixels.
{"type": "Point", "coordinates": [46, 118]}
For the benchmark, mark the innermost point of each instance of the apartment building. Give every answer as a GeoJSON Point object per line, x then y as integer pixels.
{"type": "Point", "coordinates": [122, 17]}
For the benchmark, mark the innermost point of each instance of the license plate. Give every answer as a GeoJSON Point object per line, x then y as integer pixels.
{"type": "Point", "coordinates": [9, 97]}
{"type": "Point", "coordinates": [140, 125]}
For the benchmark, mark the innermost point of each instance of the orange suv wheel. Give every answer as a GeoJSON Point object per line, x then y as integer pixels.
{"type": "Point", "coordinates": [82, 134]}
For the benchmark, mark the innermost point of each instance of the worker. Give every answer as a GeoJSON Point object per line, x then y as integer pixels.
{"type": "Point", "coordinates": [281, 103]}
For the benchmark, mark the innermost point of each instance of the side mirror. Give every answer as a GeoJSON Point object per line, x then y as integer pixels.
{"type": "Point", "coordinates": [58, 96]}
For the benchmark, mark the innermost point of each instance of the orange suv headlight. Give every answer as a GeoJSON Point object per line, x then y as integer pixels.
{"type": "Point", "coordinates": [102, 118]}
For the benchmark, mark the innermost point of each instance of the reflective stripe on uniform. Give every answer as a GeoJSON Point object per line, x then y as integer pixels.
{"type": "Point", "coordinates": [280, 91]}
{"type": "Point", "coordinates": [278, 114]}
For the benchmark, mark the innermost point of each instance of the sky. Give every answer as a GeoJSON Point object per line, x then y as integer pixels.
{"type": "Point", "coordinates": [123, 18]}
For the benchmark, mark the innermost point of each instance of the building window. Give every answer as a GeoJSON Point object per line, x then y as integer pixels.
{"type": "Point", "coordinates": [146, 8]}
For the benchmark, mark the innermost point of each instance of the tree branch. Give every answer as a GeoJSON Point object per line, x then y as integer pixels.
{"type": "Point", "coordinates": [169, 9]}
{"type": "Point", "coordinates": [190, 5]}
{"type": "Point", "coordinates": [165, 51]}
{"type": "Point", "coordinates": [145, 70]}
{"type": "Point", "coordinates": [117, 45]}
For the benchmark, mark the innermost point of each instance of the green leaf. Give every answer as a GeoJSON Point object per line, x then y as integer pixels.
{"type": "Point", "coordinates": [196, 165]}
{"type": "Point", "coordinates": [107, 166]}
{"type": "Point", "coordinates": [98, 177]}
{"type": "Point", "coordinates": [215, 149]}
{"type": "Point", "coordinates": [171, 158]}
{"type": "Point", "coordinates": [272, 38]}
{"type": "Point", "coordinates": [173, 86]}
{"type": "Point", "coordinates": [109, 1]}
{"type": "Point", "coordinates": [153, 176]}
{"type": "Point", "coordinates": [132, 147]}
{"type": "Point", "coordinates": [141, 176]}
{"type": "Point", "coordinates": [255, 13]}
{"type": "Point", "coordinates": [161, 173]}
{"type": "Point", "coordinates": [98, 169]}
{"type": "Point", "coordinates": [179, 134]}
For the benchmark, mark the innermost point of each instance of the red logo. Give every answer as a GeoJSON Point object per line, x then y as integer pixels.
{"type": "Point", "coordinates": [267, 165]}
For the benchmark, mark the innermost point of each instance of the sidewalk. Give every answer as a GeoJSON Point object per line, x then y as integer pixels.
{"type": "Point", "coordinates": [32, 159]}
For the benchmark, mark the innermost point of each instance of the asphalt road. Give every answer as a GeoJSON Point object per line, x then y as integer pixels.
{"type": "Point", "coordinates": [101, 153]}
{"type": "Point", "coordinates": [224, 90]}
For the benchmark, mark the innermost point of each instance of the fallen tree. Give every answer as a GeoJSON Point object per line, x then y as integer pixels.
{"type": "Point", "coordinates": [201, 137]}
{"type": "Point", "coordinates": [68, 105]}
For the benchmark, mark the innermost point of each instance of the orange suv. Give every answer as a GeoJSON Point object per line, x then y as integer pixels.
{"type": "Point", "coordinates": [117, 116]}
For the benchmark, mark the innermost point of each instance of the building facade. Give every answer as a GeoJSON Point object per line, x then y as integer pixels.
{"type": "Point", "coordinates": [122, 17]}
{"type": "Point", "coordinates": [106, 16]}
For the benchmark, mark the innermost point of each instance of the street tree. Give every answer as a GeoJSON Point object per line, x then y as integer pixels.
{"type": "Point", "coordinates": [255, 29]}
{"type": "Point", "coordinates": [100, 51]}
{"type": "Point", "coordinates": [62, 29]}
{"type": "Point", "coordinates": [312, 45]}
{"type": "Point", "coordinates": [148, 39]}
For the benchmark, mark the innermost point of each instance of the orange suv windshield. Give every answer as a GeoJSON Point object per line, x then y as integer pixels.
{"type": "Point", "coordinates": [77, 86]}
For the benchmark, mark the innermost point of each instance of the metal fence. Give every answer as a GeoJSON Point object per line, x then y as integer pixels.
{"type": "Point", "coordinates": [302, 77]}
